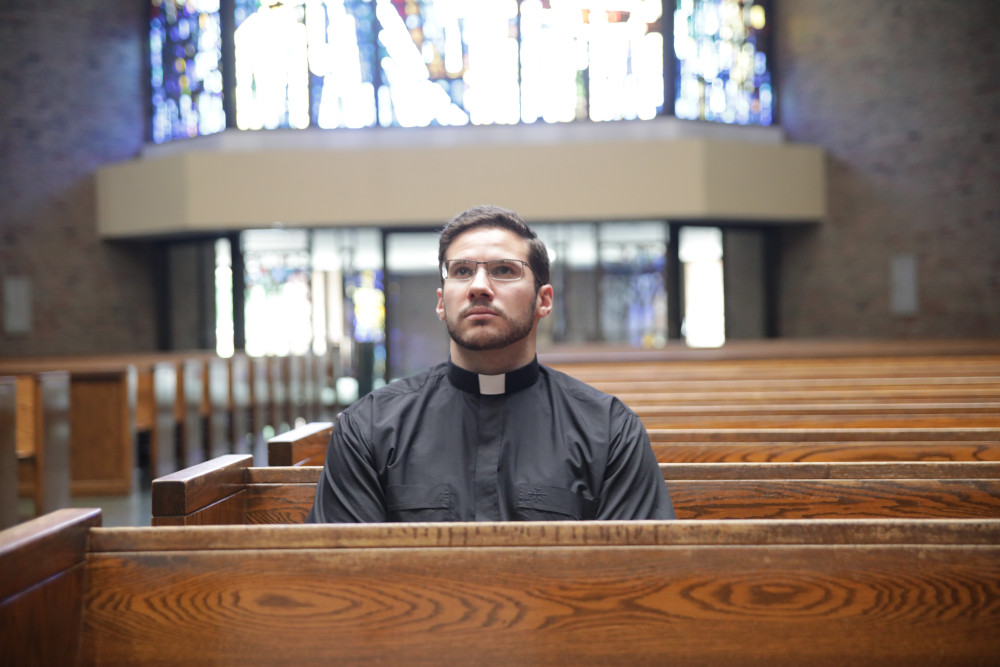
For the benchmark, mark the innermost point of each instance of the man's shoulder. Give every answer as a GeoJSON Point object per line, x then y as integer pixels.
{"type": "Point", "coordinates": [578, 388]}
{"type": "Point", "coordinates": [410, 385]}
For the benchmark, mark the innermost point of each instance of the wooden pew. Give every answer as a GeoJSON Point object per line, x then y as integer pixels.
{"type": "Point", "coordinates": [41, 591]}
{"type": "Point", "coordinates": [9, 515]}
{"type": "Point", "coordinates": [591, 593]}
{"type": "Point", "coordinates": [307, 445]}
{"type": "Point", "coordinates": [102, 411]}
{"type": "Point", "coordinates": [241, 404]}
{"type": "Point", "coordinates": [791, 350]}
{"type": "Point", "coordinates": [216, 405]}
{"type": "Point", "coordinates": [228, 490]}
{"type": "Point", "coordinates": [261, 398]}
{"type": "Point", "coordinates": [825, 444]}
{"type": "Point", "coordinates": [43, 439]}
{"type": "Point", "coordinates": [889, 415]}
{"type": "Point", "coordinates": [302, 446]}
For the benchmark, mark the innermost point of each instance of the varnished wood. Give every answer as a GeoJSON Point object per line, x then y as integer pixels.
{"type": "Point", "coordinates": [665, 593]}
{"type": "Point", "coordinates": [102, 419]}
{"type": "Point", "coordinates": [869, 592]}
{"type": "Point", "coordinates": [35, 550]}
{"type": "Point", "coordinates": [229, 491]}
{"type": "Point", "coordinates": [46, 471]}
{"type": "Point", "coordinates": [200, 485]}
{"type": "Point", "coordinates": [824, 451]}
{"type": "Point", "coordinates": [42, 588]}
{"type": "Point", "coordinates": [8, 452]}
{"type": "Point", "coordinates": [101, 422]}
{"type": "Point", "coordinates": [792, 349]}
{"type": "Point", "coordinates": [835, 498]}
{"type": "Point", "coordinates": [305, 445]}
{"type": "Point", "coordinates": [547, 534]}
{"type": "Point", "coordinates": [240, 403]}
{"type": "Point", "coordinates": [827, 470]}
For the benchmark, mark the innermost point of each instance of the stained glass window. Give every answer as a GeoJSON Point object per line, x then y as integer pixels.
{"type": "Point", "coordinates": [597, 60]}
{"type": "Point", "coordinates": [185, 44]}
{"type": "Point", "coordinates": [413, 63]}
{"type": "Point", "coordinates": [722, 62]}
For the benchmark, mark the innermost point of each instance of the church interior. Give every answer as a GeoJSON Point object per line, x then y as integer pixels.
{"type": "Point", "coordinates": [774, 233]}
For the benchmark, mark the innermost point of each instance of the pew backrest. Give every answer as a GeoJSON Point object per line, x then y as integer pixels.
{"type": "Point", "coordinates": [780, 592]}
{"type": "Point", "coordinates": [229, 490]}
{"type": "Point", "coordinates": [581, 594]}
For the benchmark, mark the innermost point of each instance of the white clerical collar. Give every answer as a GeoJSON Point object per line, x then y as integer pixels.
{"type": "Point", "coordinates": [490, 385]}
{"type": "Point", "coordinates": [493, 385]}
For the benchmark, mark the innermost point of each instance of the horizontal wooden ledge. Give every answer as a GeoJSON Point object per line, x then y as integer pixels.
{"type": "Point", "coordinates": [550, 534]}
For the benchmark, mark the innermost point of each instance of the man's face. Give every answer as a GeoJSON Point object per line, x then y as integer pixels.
{"type": "Point", "coordinates": [487, 314]}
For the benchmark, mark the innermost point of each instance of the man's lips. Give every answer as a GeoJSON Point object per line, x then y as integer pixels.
{"type": "Point", "coordinates": [479, 313]}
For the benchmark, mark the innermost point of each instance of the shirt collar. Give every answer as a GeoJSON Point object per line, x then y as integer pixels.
{"type": "Point", "coordinates": [485, 385]}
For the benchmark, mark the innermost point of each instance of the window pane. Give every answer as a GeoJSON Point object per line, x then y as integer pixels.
{"type": "Point", "coordinates": [581, 60]}
{"type": "Point", "coordinates": [341, 38]}
{"type": "Point", "coordinates": [448, 63]}
{"type": "Point", "coordinates": [278, 299]}
{"type": "Point", "coordinates": [185, 50]}
{"type": "Point", "coordinates": [407, 63]}
{"type": "Point", "coordinates": [633, 287]}
{"type": "Point", "coordinates": [417, 338]}
{"type": "Point", "coordinates": [722, 61]}
{"type": "Point", "coordinates": [272, 74]}
{"type": "Point", "coordinates": [704, 322]}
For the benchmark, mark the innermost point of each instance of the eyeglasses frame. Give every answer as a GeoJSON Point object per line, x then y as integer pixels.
{"type": "Point", "coordinates": [444, 269]}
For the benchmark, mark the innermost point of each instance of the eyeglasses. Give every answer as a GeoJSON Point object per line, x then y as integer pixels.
{"type": "Point", "coordinates": [497, 269]}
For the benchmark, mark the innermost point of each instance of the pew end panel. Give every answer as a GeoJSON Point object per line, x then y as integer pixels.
{"type": "Point", "coordinates": [43, 433]}
{"type": "Point", "coordinates": [8, 452]}
{"type": "Point", "coordinates": [42, 588]}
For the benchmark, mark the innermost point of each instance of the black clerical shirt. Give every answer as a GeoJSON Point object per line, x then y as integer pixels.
{"type": "Point", "coordinates": [451, 445]}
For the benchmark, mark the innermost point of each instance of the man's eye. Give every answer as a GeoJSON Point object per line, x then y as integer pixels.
{"type": "Point", "coordinates": [460, 271]}
{"type": "Point", "coordinates": [503, 270]}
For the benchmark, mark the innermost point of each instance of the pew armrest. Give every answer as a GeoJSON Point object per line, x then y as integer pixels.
{"type": "Point", "coordinates": [177, 497]}
{"type": "Point", "coordinates": [303, 446]}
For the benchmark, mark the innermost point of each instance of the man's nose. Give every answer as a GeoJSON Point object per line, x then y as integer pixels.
{"type": "Point", "coordinates": [480, 282]}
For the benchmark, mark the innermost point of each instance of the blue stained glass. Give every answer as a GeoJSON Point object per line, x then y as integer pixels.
{"type": "Point", "coordinates": [361, 63]}
{"type": "Point", "coordinates": [185, 47]}
{"type": "Point", "coordinates": [721, 53]}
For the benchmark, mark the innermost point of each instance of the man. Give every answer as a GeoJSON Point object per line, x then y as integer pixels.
{"type": "Point", "coordinates": [490, 435]}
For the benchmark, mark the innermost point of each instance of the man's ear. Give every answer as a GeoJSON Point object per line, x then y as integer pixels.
{"type": "Point", "coordinates": [543, 301]}
{"type": "Point", "coordinates": [440, 305]}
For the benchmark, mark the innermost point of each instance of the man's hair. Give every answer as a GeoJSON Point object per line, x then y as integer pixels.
{"type": "Point", "coordinates": [496, 217]}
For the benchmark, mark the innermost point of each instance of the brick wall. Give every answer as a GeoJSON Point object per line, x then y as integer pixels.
{"type": "Point", "coordinates": [905, 97]}
{"type": "Point", "coordinates": [70, 101]}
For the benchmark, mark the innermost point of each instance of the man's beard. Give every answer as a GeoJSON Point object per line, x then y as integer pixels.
{"type": "Point", "coordinates": [517, 330]}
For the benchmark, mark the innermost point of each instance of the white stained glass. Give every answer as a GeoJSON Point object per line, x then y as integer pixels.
{"type": "Point", "coordinates": [272, 73]}
{"type": "Point", "coordinates": [346, 99]}
{"type": "Point", "coordinates": [550, 63]}
{"type": "Point", "coordinates": [416, 100]}
{"type": "Point", "coordinates": [492, 78]}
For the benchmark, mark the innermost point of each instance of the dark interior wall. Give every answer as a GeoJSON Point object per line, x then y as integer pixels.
{"type": "Point", "coordinates": [904, 95]}
{"type": "Point", "coordinates": [70, 86]}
